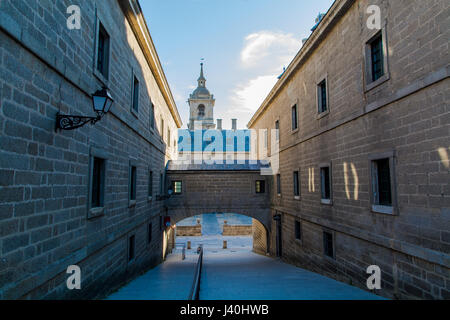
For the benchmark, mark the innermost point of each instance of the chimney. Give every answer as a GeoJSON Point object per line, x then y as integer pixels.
{"type": "Point", "coordinates": [233, 124]}
{"type": "Point", "coordinates": [219, 124]}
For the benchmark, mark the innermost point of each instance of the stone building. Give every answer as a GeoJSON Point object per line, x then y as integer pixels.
{"type": "Point", "coordinates": [363, 118]}
{"type": "Point", "coordinates": [90, 196]}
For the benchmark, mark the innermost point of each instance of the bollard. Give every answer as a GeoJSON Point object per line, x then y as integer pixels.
{"type": "Point", "coordinates": [183, 253]}
{"type": "Point", "coordinates": [224, 244]}
{"type": "Point", "coordinates": [189, 245]}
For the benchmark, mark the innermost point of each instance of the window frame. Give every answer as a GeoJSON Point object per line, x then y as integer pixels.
{"type": "Point", "coordinates": [173, 187]}
{"type": "Point", "coordinates": [134, 99]}
{"type": "Point", "coordinates": [374, 206]}
{"type": "Point", "coordinates": [294, 124]}
{"type": "Point", "coordinates": [319, 93]}
{"type": "Point", "coordinates": [132, 164]}
{"type": "Point", "coordinates": [330, 181]}
{"type": "Point", "coordinates": [149, 233]}
{"type": "Point", "coordinates": [333, 242]}
{"type": "Point", "coordinates": [152, 116]}
{"type": "Point", "coordinates": [131, 248]}
{"type": "Point", "coordinates": [298, 235]}
{"type": "Point", "coordinates": [99, 26]}
{"type": "Point", "coordinates": [94, 152]}
{"type": "Point", "coordinates": [278, 182]}
{"type": "Point", "coordinates": [263, 184]}
{"type": "Point", "coordinates": [369, 84]}
{"type": "Point", "coordinates": [150, 185]}
{"type": "Point", "coordinates": [296, 181]}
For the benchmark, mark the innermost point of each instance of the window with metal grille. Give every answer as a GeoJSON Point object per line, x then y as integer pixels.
{"type": "Point", "coordinates": [260, 186]}
{"type": "Point", "coordinates": [150, 183]}
{"type": "Point", "coordinates": [377, 57]}
{"type": "Point", "coordinates": [381, 181]}
{"type": "Point", "coordinates": [177, 187]}
{"type": "Point", "coordinates": [296, 184]}
{"type": "Point", "coordinates": [328, 244]}
{"type": "Point", "coordinates": [152, 115]}
{"type": "Point", "coordinates": [322, 96]}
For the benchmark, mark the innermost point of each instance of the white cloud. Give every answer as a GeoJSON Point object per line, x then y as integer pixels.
{"type": "Point", "coordinates": [268, 49]}
{"type": "Point", "coordinates": [264, 53]}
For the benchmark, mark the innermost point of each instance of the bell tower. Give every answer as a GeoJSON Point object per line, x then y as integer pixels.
{"type": "Point", "coordinates": [201, 105]}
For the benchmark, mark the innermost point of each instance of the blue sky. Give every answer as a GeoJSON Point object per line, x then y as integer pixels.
{"type": "Point", "coordinates": [245, 44]}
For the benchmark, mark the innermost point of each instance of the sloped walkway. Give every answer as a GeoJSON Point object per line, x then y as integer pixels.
{"type": "Point", "coordinates": [171, 280]}
{"type": "Point", "coordinates": [244, 275]}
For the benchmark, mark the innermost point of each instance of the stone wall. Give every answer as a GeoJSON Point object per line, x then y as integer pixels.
{"type": "Point", "coordinates": [259, 233]}
{"type": "Point", "coordinates": [237, 230]}
{"type": "Point", "coordinates": [189, 231]}
{"type": "Point", "coordinates": [44, 175]}
{"type": "Point", "coordinates": [407, 115]}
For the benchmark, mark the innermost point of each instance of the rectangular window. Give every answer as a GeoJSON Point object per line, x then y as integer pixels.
{"type": "Point", "coordinates": [152, 115]}
{"type": "Point", "coordinates": [168, 137]}
{"type": "Point", "coordinates": [161, 184]}
{"type": "Point", "coordinates": [377, 58]}
{"type": "Point", "coordinates": [149, 233]}
{"type": "Point", "coordinates": [296, 184]}
{"type": "Point", "coordinates": [98, 183]}
{"type": "Point", "coordinates": [150, 184]}
{"type": "Point", "coordinates": [133, 178]}
{"type": "Point", "coordinates": [103, 51]}
{"type": "Point", "coordinates": [162, 129]}
{"type": "Point", "coordinates": [325, 183]}
{"type": "Point", "coordinates": [177, 187]}
{"type": "Point", "coordinates": [135, 101]}
{"type": "Point", "coordinates": [277, 130]}
{"type": "Point", "coordinates": [381, 181]}
{"type": "Point", "coordinates": [294, 117]}
{"type": "Point", "coordinates": [328, 248]}
{"type": "Point", "coordinates": [278, 184]}
{"type": "Point", "coordinates": [131, 248]}
{"type": "Point", "coordinates": [266, 138]}
{"type": "Point", "coordinates": [322, 96]}
{"type": "Point", "coordinates": [298, 230]}
{"type": "Point", "coordinates": [260, 186]}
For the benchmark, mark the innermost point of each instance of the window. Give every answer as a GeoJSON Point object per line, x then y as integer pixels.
{"type": "Point", "coordinates": [296, 184]}
{"type": "Point", "coordinates": [328, 246]}
{"type": "Point", "coordinates": [201, 111]}
{"type": "Point", "coordinates": [294, 118]}
{"type": "Point", "coordinates": [325, 184]}
{"type": "Point", "coordinates": [377, 57]}
{"type": "Point", "coordinates": [149, 232]}
{"type": "Point", "coordinates": [298, 230]}
{"type": "Point", "coordinates": [266, 139]}
{"type": "Point", "coordinates": [150, 184]}
{"type": "Point", "coordinates": [176, 187]}
{"type": "Point", "coordinates": [161, 184]}
{"type": "Point", "coordinates": [131, 247]}
{"type": "Point", "coordinates": [277, 130]}
{"type": "Point", "coordinates": [322, 96]}
{"type": "Point", "coordinates": [168, 137]}
{"type": "Point", "coordinates": [133, 177]}
{"type": "Point", "coordinates": [152, 115]}
{"type": "Point", "coordinates": [381, 181]}
{"type": "Point", "coordinates": [103, 51]}
{"type": "Point", "coordinates": [278, 184]}
{"type": "Point", "coordinates": [135, 97]}
{"type": "Point", "coordinates": [260, 186]}
{"type": "Point", "coordinates": [98, 183]}
{"type": "Point", "coordinates": [162, 129]}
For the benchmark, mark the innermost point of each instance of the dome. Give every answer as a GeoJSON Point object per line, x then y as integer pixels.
{"type": "Point", "coordinates": [201, 92]}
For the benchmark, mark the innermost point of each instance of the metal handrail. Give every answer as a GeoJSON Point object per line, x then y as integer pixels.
{"type": "Point", "coordinates": [195, 289]}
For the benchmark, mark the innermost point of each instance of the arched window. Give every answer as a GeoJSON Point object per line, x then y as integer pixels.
{"type": "Point", "coordinates": [201, 111]}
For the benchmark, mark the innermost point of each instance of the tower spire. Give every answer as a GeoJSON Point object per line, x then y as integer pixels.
{"type": "Point", "coordinates": [201, 80]}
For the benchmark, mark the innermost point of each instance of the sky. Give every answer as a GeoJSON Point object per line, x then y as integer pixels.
{"type": "Point", "coordinates": [244, 43]}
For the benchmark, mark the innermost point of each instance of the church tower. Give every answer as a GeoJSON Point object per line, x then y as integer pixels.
{"type": "Point", "coordinates": [201, 105]}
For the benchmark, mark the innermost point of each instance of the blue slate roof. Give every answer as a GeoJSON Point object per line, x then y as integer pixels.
{"type": "Point", "coordinates": [180, 165]}
{"type": "Point", "coordinates": [214, 140]}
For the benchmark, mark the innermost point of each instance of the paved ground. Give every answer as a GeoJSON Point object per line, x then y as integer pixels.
{"type": "Point", "coordinates": [235, 273]}
{"type": "Point", "coordinates": [171, 280]}
{"type": "Point", "coordinates": [244, 275]}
